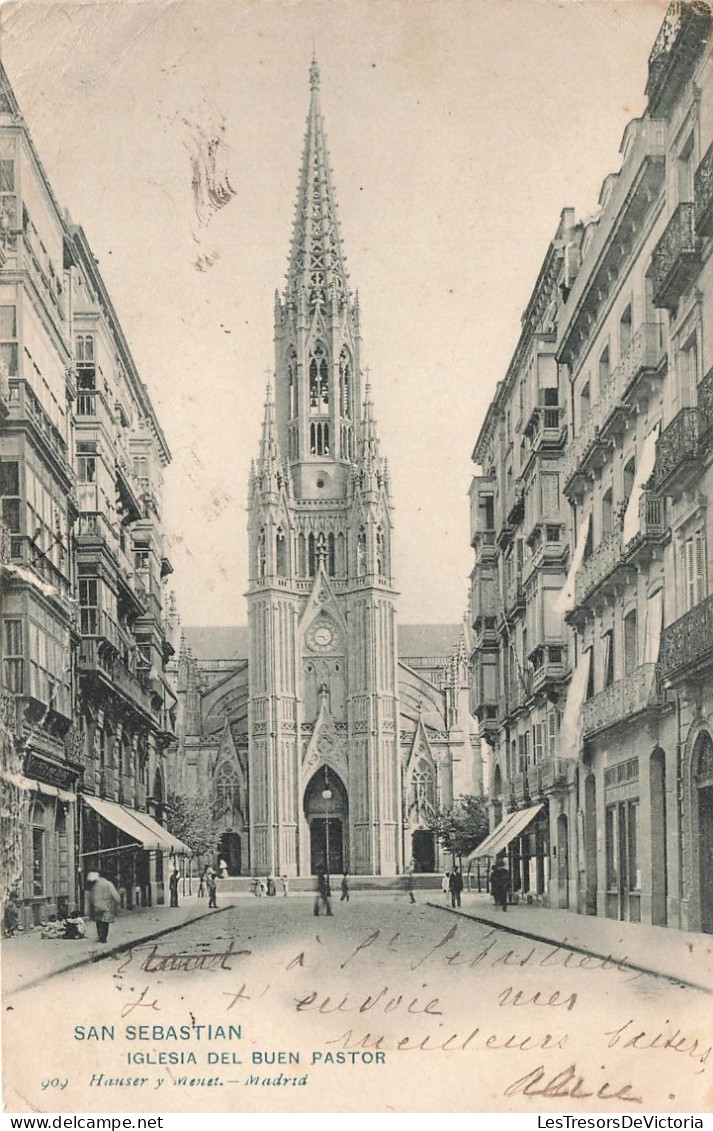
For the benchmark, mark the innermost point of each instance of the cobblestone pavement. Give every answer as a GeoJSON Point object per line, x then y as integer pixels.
{"type": "Point", "coordinates": [385, 1006]}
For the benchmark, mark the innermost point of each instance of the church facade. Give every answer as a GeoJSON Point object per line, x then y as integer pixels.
{"type": "Point", "coordinates": [325, 749]}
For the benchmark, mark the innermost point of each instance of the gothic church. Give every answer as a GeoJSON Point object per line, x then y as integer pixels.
{"type": "Point", "coordinates": [320, 745]}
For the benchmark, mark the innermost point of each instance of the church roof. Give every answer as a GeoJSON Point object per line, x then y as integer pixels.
{"type": "Point", "coordinates": [213, 642]}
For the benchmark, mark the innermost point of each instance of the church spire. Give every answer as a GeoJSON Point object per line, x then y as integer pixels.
{"type": "Point", "coordinates": [270, 473]}
{"type": "Point", "coordinates": [316, 267]}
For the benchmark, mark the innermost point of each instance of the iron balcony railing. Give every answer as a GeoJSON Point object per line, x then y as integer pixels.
{"type": "Point", "coordinates": [676, 446]}
{"type": "Point", "coordinates": [679, 43]}
{"type": "Point", "coordinates": [676, 258]}
{"type": "Point", "coordinates": [688, 642]}
{"type": "Point", "coordinates": [602, 562]}
{"type": "Point", "coordinates": [623, 699]}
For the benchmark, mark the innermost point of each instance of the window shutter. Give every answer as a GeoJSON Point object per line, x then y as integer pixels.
{"type": "Point", "coordinates": [689, 562]}
{"type": "Point", "coordinates": [700, 565]}
{"type": "Point", "coordinates": [552, 721]}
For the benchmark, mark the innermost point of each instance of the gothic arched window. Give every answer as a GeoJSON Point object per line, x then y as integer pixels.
{"type": "Point", "coordinates": [380, 553]}
{"type": "Point", "coordinates": [321, 549]}
{"type": "Point", "coordinates": [318, 380]}
{"type": "Point", "coordinates": [292, 383]}
{"type": "Point", "coordinates": [261, 554]}
{"type": "Point", "coordinates": [311, 556]}
{"type": "Point", "coordinates": [345, 377]}
{"type": "Point", "coordinates": [330, 555]}
{"type": "Point", "coordinates": [301, 556]}
{"type": "Point", "coordinates": [281, 553]}
{"type": "Point", "coordinates": [225, 794]}
{"type": "Point", "coordinates": [423, 789]}
{"type": "Point", "coordinates": [361, 552]}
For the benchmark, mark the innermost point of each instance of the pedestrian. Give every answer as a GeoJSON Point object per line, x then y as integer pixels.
{"type": "Point", "coordinates": [255, 886]}
{"type": "Point", "coordinates": [410, 885]}
{"type": "Point", "coordinates": [323, 892]}
{"type": "Point", "coordinates": [271, 889]}
{"type": "Point", "coordinates": [345, 888]}
{"type": "Point", "coordinates": [263, 887]}
{"type": "Point", "coordinates": [445, 883]}
{"type": "Point", "coordinates": [11, 918]}
{"type": "Point", "coordinates": [285, 884]}
{"type": "Point", "coordinates": [500, 883]}
{"type": "Point", "coordinates": [104, 902]}
{"type": "Point", "coordinates": [222, 870]}
{"type": "Point", "coordinates": [455, 886]}
{"type": "Point", "coordinates": [173, 886]}
{"type": "Point", "coordinates": [202, 883]}
{"type": "Point", "coordinates": [212, 886]}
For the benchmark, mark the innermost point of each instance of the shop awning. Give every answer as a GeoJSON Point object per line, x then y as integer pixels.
{"type": "Point", "coordinates": [138, 826]}
{"type": "Point", "coordinates": [501, 837]}
{"type": "Point", "coordinates": [30, 785]}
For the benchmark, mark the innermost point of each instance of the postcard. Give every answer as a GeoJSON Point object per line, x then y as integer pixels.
{"type": "Point", "coordinates": [356, 372]}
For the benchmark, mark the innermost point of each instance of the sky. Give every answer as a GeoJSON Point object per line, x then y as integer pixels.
{"type": "Point", "coordinates": [458, 130]}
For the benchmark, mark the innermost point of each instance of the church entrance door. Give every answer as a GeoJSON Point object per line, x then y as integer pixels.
{"type": "Point", "coordinates": [423, 850]}
{"type": "Point", "coordinates": [229, 850]}
{"type": "Point", "coordinates": [326, 809]}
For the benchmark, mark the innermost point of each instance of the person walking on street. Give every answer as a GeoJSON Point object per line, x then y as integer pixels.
{"type": "Point", "coordinates": [500, 883]}
{"type": "Point", "coordinates": [323, 892]}
{"type": "Point", "coordinates": [345, 888]}
{"type": "Point", "coordinates": [445, 883]}
{"type": "Point", "coordinates": [212, 889]}
{"type": "Point", "coordinates": [410, 885]}
{"type": "Point", "coordinates": [104, 902]}
{"type": "Point", "coordinates": [202, 883]}
{"type": "Point", "coordinates": [285, 884]}
{"type": "Point", "coordinates": [173, 886]}
{"type": "Point", "coordinates": [455, 886]}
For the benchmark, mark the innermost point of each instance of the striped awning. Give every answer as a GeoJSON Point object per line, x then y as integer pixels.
{"type": "Point", "coordinates": [500, 838]}
{"type": "Point", "coordinates": [138, 826]}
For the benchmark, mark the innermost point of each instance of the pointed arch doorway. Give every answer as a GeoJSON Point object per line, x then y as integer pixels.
{"type": "Point", "coordinates": [326, 808]}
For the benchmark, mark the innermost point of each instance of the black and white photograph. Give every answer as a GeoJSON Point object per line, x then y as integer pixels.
{"type": "Point", "coordinates": [356, 558]}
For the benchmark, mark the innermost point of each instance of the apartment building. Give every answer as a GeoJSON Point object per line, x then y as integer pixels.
{"type": "Point", "coordinates": [634, 356]}
{"type": "Point", "coordinates": [87, 714]}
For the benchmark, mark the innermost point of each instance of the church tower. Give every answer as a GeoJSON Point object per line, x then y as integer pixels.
{"type": "Point", "coordinates": [324, 774]}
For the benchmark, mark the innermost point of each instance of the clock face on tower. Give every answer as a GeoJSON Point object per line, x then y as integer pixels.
{"type": "Point", "coordinates": [322, 636]}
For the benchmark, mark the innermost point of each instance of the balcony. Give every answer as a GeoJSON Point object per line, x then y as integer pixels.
{"type": "Point", "coordinates": [687, 644]}
{"type": "Point", "coordinates": [484, 546]}
{"type": "Point", "coordinates": [166, 564]}
{"type": "Point", "coordinates": [679, 44]}
{"type": "Point", "coordinates": [485, 633]}
{"type": "Point", "coordinates": [622, 701]}
{"type": "Point", "coordinates": [24, 406]}
{"type": "Point", "coordinates": [632, 381]}
{"type": "Point", "coordinates": [573, 477]}
{"type": "Point", "coordinates": [547, 428]}
{"type": "Point", "coordinates": [676, 260]}
{"type": "Point", "coordinates": [705, 413]}
{"type": "Point", "coordinates": [515, 505]}
{"type": "Point", "coordinates": [603, 570]}
{"type": "Point", "coordinates": [677, 455]}
{"type": "Point", "coordinates": [549, 665]}
{"type": "Point", "coordinates": [549, 774]}
{"type": "Point", "coordinates": [514, 594]}
{"type": "Point", "coordinates": [481, 507]}
{"type": "Point", "coordinates": [653, 531]}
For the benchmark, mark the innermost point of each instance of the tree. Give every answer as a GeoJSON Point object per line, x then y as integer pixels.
{"type": "Point", "coordinates": [190, 818]}
{"type": "Point", "coordinates": [461, 827]}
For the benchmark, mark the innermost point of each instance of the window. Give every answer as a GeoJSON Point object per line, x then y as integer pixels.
{"type": "Point", "coordinates": [87, 469]}
{"type": "Point", "coordinates": [607, 512]}
{"type": "Point", "coordinates": [318, 381]}
{"type": "Point", "coordinates": [684, 170]}
{"type": "Point", "coordinates": [311, 556]}
{"type": "Point", "coordinates": [688, 371]}
{"type": "Point", "coordinates": [89, 606]}
{"type": "Point", "coordinates": [630, 642]}
{"type": "Point", "coordinates": [345, 376]}
{"type": "Point", "coordinates": [330, 555]}
{"type": "Point", "coordinates": [590, 681]}
{"type": "Point", "coordinates": [11, 508]}
{"type": "Point", "coordinates": [261, 554]}
{"type": "Point", "coordinates": [625, 331]}
{"type": "Point", "coordinates": [380, 555]}
{"type": "Point", "coordinates": [537, 745]}
{"type": "Point", "coordinates": [553, 534]}
{"type": "Point", "coordinates": [553, 728]}
{"type": "Point", "coordinates": [628, 479]}
{"type": "Point", "coordinates": [8, 203]}
{"type": "Point", "coordinates": [281, 553]}
{"type": "Point", "coordinates": [694, 567]}
{"type": "Point", "coordinates": [301, 556]}
{"type": "Point", "coordinates": [8, 339]}
{"type": "Point", "coordinates": [319, 439]}
{"type": "Point", "coordinates": [585, 405]}
{"type": "Point", "coordinates": [292, 383]}
{"type": "Point", "coordinates": [361, 552]}
{"type": "Point", "coordinates": [38, 849]}
{"type": "Point", "coordinates": [604, 371]}
{"type": "Point", "coordinates": [13, 653]}
{"type": "Point", "coordinates": [608, 658]}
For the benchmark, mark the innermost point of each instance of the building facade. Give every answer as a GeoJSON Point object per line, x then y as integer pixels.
{"type": "Point", "coordinates": [86, 716]}
{"type": "Point", "coordinates": [439, 747]}
{"type": "Point", "coordinates": [633, 832]}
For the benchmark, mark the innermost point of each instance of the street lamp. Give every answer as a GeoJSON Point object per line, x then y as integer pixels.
{"type": "Point", "coordinates": [327, 795]}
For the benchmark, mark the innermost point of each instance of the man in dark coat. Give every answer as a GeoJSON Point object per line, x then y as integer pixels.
{"type": "Point", "coordinates": [500, 883]}
{"type": "Point", "coordinates": [323, 892]}
{"type": "Point", "coordinates": [173, 887]}
{"type": "Point", "coordinates": [455, 886]}
{"type": "Point", "coordinates": [212, 886]}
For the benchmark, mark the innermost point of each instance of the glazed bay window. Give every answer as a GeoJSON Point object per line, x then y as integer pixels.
{"type": "Point", "coordinates": [13, 656]}
{"type": "Point", "coordinates": [87, 469]}
{"type": "Point", "coordinates": [89, 606]}
{"type": "Point", "coordinates": [49, 663]}
{"type": "Point", "coordinates": [11, 504]}
{"type": "Point", "coordinates": [8, 339]}
{"type": "Point", "coordinates": [8, 203]}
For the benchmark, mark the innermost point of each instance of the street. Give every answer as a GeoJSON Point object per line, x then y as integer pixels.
{"type": "Point", "coordinates": [385, 1006]}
